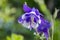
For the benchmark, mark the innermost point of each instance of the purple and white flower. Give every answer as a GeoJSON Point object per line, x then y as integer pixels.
{"type": "Point", "coordinates": [33, 19]}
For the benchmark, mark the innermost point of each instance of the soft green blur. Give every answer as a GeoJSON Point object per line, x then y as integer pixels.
{"type": "Point", "coordinates": [10, 29]}
{"type": "Point", "coordinates": [15, 37]}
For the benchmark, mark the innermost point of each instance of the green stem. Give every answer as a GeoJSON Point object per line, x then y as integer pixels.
{"type": "Point", "coordinates": [55, 13]}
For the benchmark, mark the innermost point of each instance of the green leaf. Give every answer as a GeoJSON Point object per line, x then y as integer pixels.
{"type": "Point", "coordinates": [15, 37]}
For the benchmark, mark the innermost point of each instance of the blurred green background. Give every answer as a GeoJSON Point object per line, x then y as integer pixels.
{"type": "Point", "coordinates": [10, 10]}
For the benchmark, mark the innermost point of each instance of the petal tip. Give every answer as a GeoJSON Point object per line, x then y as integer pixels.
{"type": "Point", "coordinates": [26, 8]}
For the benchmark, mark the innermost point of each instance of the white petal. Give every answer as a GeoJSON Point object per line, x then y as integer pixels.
{"type": "Point", "coordinates": [26, 25]}
{"type": "Point", "coordinates": [34, 25]}
{"type": "Point", "coordinates": [39, 21]}
{"type": "Point", "coordinates": [33, 12]}
{"type": "Point", "coordinates": [23, 16]}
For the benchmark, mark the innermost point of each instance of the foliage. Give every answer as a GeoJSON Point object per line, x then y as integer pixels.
{"type": "Point", "coordinates": [10, 29]}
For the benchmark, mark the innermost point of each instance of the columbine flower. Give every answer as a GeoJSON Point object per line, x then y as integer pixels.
{"type": "Point", "coordinates": [32, 19]}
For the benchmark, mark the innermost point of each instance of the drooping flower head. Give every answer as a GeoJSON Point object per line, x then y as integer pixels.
{"type": "Point", "coordinates": [32, 19]}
